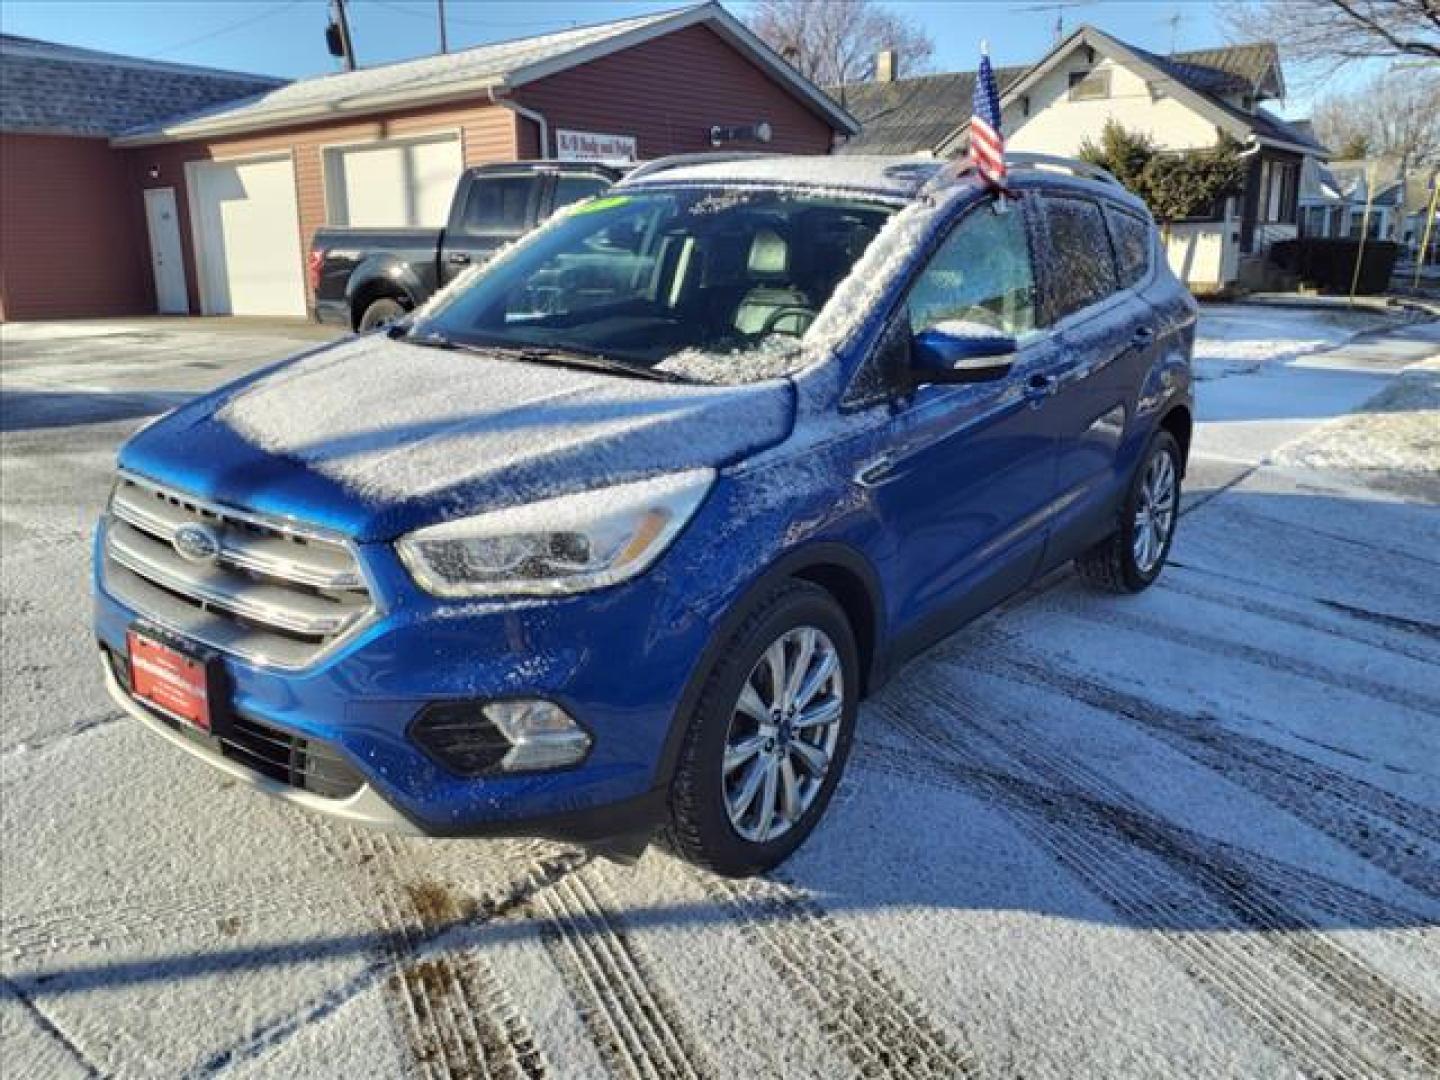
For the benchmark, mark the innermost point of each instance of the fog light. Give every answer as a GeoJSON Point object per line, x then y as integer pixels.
{"type": "Point", "coordinates": [541, 735]}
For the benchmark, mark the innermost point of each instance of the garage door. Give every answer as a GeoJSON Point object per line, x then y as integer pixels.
{"type": "Point", "coordinates": [248, 233]}
{"type": "Point", "coordinates": [393, 184]}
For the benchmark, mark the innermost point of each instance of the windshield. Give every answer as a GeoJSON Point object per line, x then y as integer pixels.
{"type": "Point", "coordinates": [715, 286]}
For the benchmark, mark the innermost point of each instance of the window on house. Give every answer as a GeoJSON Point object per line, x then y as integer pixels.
{"type": "Point", "coordinates": [1081, 269]}
{"type": "Point", "coordinates": [981, 274]}
{"type": "Point", "coordinates": [394, 183]}
{"type": "Point", "coordinates": [1089, 85]}
{"type": "Point", "coordinates": [1277, 191]}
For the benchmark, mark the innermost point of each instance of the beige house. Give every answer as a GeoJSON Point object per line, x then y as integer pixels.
{"type": "Point", "coordinates": [1183, 101]}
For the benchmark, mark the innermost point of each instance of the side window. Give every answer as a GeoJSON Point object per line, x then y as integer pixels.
{"type": "Point", "coordinates": [499, 205]}
{"type": "Point", "coordinates": [571, 189]}
{"type": "Point", "coordinates": [1131, 236]}
{"type": "Point", "coordinates": [1080, 268]}
{"type": "Point", "coordinates": [981, 274]}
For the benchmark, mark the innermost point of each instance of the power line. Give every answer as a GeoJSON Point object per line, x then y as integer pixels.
{"type": "Point", "coordinates": [451, 17]}
{"type": "Point", "coordinates": [276, 10]}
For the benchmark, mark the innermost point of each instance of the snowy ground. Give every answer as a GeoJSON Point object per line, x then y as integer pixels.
{"type": "Point", "coordinates": [1191, 833]}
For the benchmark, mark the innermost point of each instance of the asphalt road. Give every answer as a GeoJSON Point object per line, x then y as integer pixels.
{"type": "Point", "coordinates": [1195, 832]}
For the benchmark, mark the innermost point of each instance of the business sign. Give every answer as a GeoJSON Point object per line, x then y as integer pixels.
{"type": "Point", "coordinates": [593, 146]}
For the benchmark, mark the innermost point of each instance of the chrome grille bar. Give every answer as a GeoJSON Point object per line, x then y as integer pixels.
{"type": "Point", "coordinates": [278, 592]}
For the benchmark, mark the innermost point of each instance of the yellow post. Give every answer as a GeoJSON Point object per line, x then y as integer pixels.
{"type": "Point", "coordinates": [1429, 227]}
{"type": "Point", "coordinates": [1364, 230]}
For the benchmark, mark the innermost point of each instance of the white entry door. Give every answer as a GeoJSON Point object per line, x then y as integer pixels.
{"type": "Point", "coordinates": [166, 259]}
{"type": "Point", "coordinates": [247, 234]}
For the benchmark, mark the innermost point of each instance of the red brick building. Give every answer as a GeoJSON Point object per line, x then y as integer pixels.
{"type": "Point", "coordinates": [211, 209]}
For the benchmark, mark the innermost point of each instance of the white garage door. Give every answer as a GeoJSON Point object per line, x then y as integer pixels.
{"type": "Point", "coordinates": [248, 231]}
{"type": "Point", "coordinates": [393, 184]}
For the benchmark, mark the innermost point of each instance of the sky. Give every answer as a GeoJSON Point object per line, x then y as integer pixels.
{"type": "Point", "coordinates": [286, 37]}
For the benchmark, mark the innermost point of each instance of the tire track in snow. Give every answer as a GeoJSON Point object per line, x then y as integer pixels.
{"type": "Point", "coordinates": [457, 1016]}
{"type": "Point", "coordinates": [635, 1024]}
{"type": "Point", "coordinates": [1348, 681]}
{"type": "Point", "coordinates": [133, 918]}
{"type": "Point", "coordinates": [880, 1026]}
{"type": "Point", "coordinates": [1307, 995]}
{"type": "Point", "coordinates": [9, 988]}
{"type": "Point", "coordinates": [1390, 831]}
{"type": "Point", "coordinates": [1397, 640]}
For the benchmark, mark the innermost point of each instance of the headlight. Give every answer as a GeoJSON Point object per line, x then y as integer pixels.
{"type": "Point", "coordinates": [563, 545]}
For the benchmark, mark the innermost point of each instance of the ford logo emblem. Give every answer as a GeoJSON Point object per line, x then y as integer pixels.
{"type": "Point", "coordinates": [198, 543]}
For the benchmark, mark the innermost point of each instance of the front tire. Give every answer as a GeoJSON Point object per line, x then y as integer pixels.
{"type": "Point", "coordinates": [1131, 558]}
{"type": "Point", "coordinates": [770, 734]}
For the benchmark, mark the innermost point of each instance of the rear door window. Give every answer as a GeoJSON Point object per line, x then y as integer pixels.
{"type": "Point", "coordinates": [500, 205]}
{"type": "Point", "coordinates": [1131, 237]}
{"type": "Point", "coordinates": [1080, 268]}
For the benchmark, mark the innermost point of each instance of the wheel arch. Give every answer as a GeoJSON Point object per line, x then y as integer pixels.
{"type": "Point", "coordinates": [1180, 423]}
{"type": "Point", "coordinates": [375, 280]}
{"type": "Point", "coordinates": [838, 569]}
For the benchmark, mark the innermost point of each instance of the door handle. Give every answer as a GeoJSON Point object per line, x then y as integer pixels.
{"type": "Point", "coordinates": [459, 258]}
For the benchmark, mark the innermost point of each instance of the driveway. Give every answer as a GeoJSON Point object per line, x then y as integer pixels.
{"type": "Point", "coordinates": [1194, 832]}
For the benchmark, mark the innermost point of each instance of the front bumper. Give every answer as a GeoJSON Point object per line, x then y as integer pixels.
{"type": "Point", "coordinates": [619, 661]}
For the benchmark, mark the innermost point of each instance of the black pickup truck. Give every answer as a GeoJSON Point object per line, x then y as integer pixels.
{"type": "Point", "coordinates": [362, 278]}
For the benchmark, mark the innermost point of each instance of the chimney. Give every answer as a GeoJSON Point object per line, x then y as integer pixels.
{"type": "Point", "coordinates": [885, 65]}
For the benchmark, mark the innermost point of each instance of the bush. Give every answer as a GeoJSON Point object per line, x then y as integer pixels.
{"type": "Point", "coordinates": [1329, 265]}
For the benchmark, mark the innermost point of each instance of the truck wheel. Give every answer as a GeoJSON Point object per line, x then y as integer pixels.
{"type": "Point", "coordinates": [1132, 557]}
{"type": "Point", "coordinates": [382, 311]}
{"type": "Point", "coordinates": [769, 736]}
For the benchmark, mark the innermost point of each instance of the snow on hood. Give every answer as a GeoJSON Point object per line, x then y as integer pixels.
{"type": "Point", "coordinates": [390, 422]}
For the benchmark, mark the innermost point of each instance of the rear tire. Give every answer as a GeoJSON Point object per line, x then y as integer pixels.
{"type": "Point", "coordinates": [379, 313]}
{"type": "Point", "coordinates": [780, 700]}
{"type": "Point", "coordinates": [1131, 558]}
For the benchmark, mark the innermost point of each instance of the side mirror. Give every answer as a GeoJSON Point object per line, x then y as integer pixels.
{"type": "Point", "coordinates": [959, 352]}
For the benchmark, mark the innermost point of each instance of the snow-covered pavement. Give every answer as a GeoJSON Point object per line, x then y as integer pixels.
{"type": "Point", "coordinates": [1195, 832]}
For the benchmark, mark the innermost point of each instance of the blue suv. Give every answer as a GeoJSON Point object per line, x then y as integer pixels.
{"type": "Point", "coordinates": [614, 534]}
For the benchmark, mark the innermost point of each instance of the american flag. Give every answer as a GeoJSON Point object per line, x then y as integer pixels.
{"type": "Point", "coordinates": [987, 145]}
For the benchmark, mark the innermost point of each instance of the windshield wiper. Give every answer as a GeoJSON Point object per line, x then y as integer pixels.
{"type": "Point", "coordinates": [586, 361]}
{"type": "Point", "coordinates": [541, 354]}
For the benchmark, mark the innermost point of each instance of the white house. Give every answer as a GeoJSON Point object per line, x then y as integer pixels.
{"type": "Point", "coordinates": [1184, 101]}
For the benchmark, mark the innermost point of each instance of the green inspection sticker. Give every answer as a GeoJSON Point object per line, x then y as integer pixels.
{"type": "Point", "coordinates": [608, 203]}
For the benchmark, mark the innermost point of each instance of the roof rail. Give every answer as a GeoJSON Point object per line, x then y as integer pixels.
{"type": "Point", "coordinates": [679, 161]}
{"type": "Point", "coordinates": [1074, 166]}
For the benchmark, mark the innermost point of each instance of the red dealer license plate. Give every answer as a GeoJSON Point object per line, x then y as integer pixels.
{"type": "Point", "coordinates": [163, 676]}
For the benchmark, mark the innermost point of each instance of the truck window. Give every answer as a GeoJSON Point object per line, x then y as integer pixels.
{"type": "Point", "coordinates": [499, 205]}
{"type": "Point", "coordinates": [571, 189]}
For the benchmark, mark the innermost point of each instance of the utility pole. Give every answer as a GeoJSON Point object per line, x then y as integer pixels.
{"type": "Point", "coordinates": [346, 44]}
{"type": "Point", "coordinates": [444, 44]}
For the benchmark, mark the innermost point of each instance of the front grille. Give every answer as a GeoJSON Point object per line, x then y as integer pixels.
{"type": "Point", "coordinates": [277, 592]}
{"type": "Point", "coordinates": [307, 764]}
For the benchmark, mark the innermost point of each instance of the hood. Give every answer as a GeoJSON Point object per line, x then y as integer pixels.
{"type": "Point", "coordinates": [375, 437]}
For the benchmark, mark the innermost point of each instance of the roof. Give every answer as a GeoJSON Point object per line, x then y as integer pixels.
{"type": "Point", "coordinates": [64, 90]}
{"type": "Point", "coordinates": [891, 175]}
{"type": "Point", "coordinates": [1352, 175]}
{"type": "Point", "coordinates": [908, 115]}
{"type": "Point", "coordinates": [932, 113]}
{"type": "Point", "coordinates": [494, 68]}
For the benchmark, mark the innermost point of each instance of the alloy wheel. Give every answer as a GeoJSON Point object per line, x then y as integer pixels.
{"type": "Point", "coordinates": [1155, 512]}
{"type": "Point", "coordinates": [783, 732]}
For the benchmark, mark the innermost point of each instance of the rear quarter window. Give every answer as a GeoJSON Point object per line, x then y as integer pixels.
{"type": "Point", "coordinates": [1080, 266]}
{"type": "Point", "coordinates": [1131, 237]}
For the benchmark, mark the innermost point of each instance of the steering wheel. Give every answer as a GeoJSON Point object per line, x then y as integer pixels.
{"type": "Point", "coordinates": [779, 315]}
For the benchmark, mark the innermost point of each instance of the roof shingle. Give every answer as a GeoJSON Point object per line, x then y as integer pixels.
{"type": "Point", "coordinates": [61, 89]}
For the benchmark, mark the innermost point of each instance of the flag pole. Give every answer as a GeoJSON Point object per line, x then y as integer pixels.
{"type": "Point", "coordinates": [1364, 230]}
{"type": "Point", "coordinates": [1429, 227]}
{"type": "Point", "coordinates": [1001, 206]}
